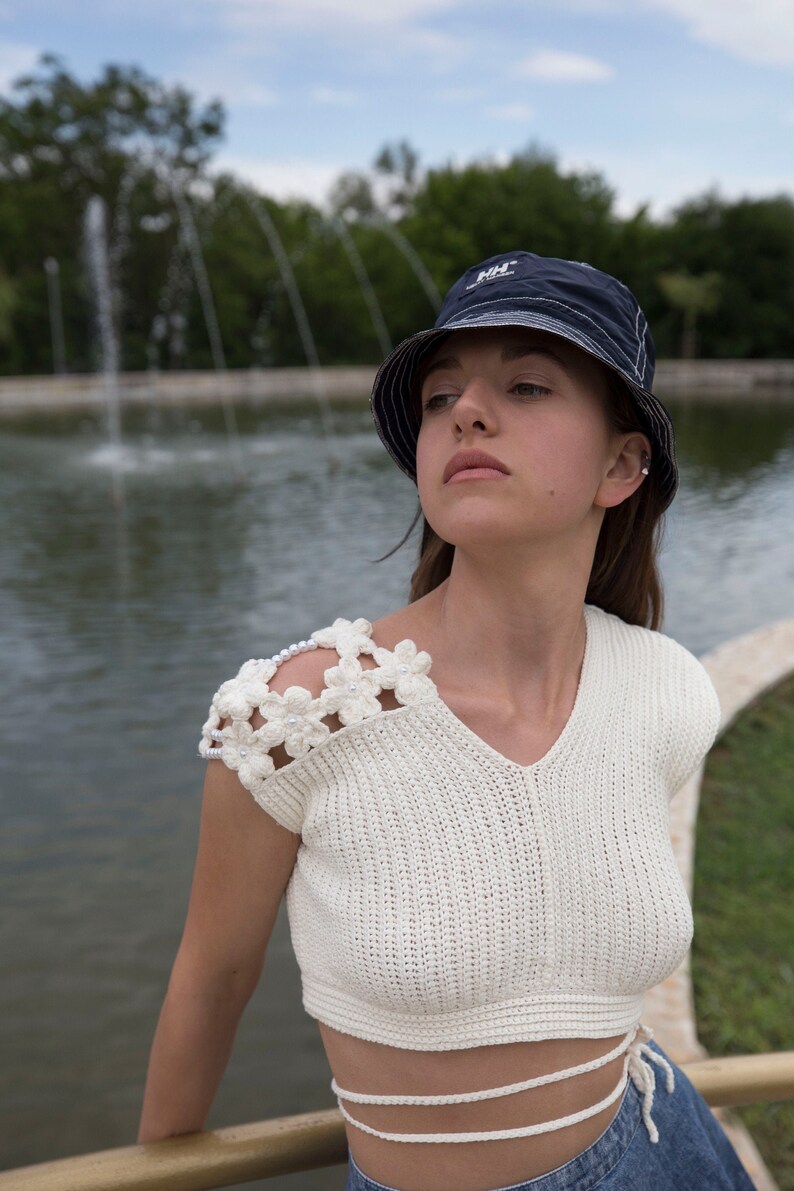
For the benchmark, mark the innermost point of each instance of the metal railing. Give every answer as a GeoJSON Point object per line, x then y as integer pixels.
{"type": "Point", "coordinates": [286, 1145]}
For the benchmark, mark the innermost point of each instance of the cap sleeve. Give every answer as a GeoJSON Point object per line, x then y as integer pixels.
{"type": "Point", "coordinates": [696, 719]}
{"type": "Point", "coordinates": [292, 720]}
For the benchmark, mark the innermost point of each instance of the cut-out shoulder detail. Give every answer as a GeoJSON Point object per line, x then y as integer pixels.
{"type": "Point", "coordinates": [250, 716]}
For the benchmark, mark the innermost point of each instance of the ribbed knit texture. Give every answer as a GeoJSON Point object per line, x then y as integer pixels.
{"type": "Point", "coordinates": [444, 896]}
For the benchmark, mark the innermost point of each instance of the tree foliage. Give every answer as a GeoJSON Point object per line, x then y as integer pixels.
{"type": "Point", "coordinates": [693, 296]}
{"type": "Point", "coordinates": [131, 140]}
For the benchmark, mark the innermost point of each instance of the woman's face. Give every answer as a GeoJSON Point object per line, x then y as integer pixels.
{"type": "Point", "coordinates": [535, 403]}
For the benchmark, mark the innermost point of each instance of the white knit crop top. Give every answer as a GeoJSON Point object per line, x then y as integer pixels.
{"type": "Point", "coordinates": [446, 897]}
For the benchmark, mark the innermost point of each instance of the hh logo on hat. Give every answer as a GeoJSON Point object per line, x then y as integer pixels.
{"type": "Point", "coordinates": [502, 270]}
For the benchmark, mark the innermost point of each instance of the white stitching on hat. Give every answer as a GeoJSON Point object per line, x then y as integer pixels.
{"type": "Point", "coordinates": [564, 306]}
{"type": "Point", "coordinates": [398, 382]}
{"type": "Point", "coordinates": [392, 431]}
{"type": "Point", "coordinates": [540, 322]}
{"type": "Point", "coordinates": [402, 365]}
{"type": "Point", "coordinates": [641, 350]}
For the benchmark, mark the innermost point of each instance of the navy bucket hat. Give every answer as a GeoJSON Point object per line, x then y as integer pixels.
{"type": "Point", "coordinates": [591, 309]}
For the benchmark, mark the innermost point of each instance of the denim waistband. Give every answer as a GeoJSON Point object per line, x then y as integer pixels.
{"type": "Point", "coordinates": [586, 1169]}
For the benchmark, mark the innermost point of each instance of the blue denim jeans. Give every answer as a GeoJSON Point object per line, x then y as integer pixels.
{"type": "Point", "coordinates": [693, 1152]}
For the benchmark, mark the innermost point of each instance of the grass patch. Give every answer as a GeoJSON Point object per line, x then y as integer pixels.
{"type": "Point", "coordinates": [743, 905]}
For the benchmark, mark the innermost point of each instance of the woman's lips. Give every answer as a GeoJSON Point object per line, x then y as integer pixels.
{"type": "Point", "coordinates": [476, 473]}
{"type": "Point", "coordinates": [473, 459]}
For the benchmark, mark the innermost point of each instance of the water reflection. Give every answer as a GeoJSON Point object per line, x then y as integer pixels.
{"type": "Point", "coordinates": [720, 443]}
{"type": "Point", "coordinates": [111, 651]}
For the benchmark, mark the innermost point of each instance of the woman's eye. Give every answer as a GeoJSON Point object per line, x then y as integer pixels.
{"type": "Point", "coordinates": [527, 389]}
{"type": "Point", "coordinates": [433, 402]}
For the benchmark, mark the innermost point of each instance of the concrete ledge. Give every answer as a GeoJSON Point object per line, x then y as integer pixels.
{"type": "Point", "coordinates": [712, 379]}
{"type": "Point", "coordinates": [742, 670]}
{"type": "Point", "coordinates": [29, 394]}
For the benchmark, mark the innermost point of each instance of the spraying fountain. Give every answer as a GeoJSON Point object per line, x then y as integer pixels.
{"type": "Point", "coordinates": [262, 215]}
{"type": "Point", "coordinates": [189, 246]}
{"type": "Point", "coordinates": [188, 229]}
{"type": "Point", "coordinates": [99, 269]}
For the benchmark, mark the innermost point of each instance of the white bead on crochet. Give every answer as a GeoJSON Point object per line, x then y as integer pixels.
{"type": "Point", "coordinates": [292, 650]}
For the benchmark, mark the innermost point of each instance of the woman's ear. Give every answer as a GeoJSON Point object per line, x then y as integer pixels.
{"type": "Point", "coordinates": [624, 473]}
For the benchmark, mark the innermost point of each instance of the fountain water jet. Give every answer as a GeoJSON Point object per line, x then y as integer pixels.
{"type": "Point", "coordinates": [262, 215]}
{"type": "Point", "coordinates": [373, 306]}
{"type": "Point", "coordinates": [413, 258]}
{"type": "Point", "coordinates": [99, 268]}
{"type": "Point", "coordinates": [188, 228]}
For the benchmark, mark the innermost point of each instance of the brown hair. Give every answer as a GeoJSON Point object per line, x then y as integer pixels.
{"type": "Point", "coordinates": [624, 578]}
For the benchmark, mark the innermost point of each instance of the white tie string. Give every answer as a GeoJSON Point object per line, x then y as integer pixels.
{"type": "Point", "coordinates": [642, 1074]}
{"type": "Point", "coordinates": [644, 1077]}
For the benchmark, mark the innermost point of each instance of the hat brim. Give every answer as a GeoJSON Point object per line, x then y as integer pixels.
{"type": "Point", "coordinates": [397, 421]}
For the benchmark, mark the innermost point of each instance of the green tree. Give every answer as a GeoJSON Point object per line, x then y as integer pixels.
{"type": "Point", "coordinates": [399, 165]}
{"type": "Point", "coordinates": [90, 133]}
{"type": "Point", "coordinates": [693, 296]}
{"type": "Point", "coordinates": [460, 216]}
{"type": "Point", "coordinates": [749, 242]}
{"type": "Point", "coordinates": [8, 302]}
{"type": "Point", "coordinates": [62, 141]}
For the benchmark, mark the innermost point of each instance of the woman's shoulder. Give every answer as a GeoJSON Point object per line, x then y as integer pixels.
{"type": "Point", "coordinates": [655, 659]}
{"type": "Point", "coordinates": [337, 673]}
{"type": "Point", "coordinates": [644, 640]}
{"type": "Point", "coordinates": [277, 711]}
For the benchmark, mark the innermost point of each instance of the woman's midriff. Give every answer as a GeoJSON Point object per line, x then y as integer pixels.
{"type": "Point", "coordinates": [361, 1066]}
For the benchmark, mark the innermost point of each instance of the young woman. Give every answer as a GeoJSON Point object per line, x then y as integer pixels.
{"type": "Point", "coordinates": [466, 802]}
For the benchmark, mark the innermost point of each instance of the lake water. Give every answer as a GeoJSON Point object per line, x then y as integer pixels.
{"type": "Point", "coordinates": [114, 633]}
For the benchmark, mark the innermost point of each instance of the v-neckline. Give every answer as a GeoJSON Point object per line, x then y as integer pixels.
{"type": "Point", "coordinates": [590, 612]}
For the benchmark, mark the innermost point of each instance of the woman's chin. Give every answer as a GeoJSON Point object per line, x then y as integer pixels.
{"type": "Point", "coordinates": [485, 534]}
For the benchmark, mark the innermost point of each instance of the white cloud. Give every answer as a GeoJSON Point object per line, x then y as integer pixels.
{"type": "Point", "coordinates": [252, 95]}
{"type": "Point", "coordinates": [334, 97]}
{"type": "Point", "coordinates": [15, 59]}
{"type": "Point", "coordinates": [397, 24]}
{"type": "Point", "coordinates": [556, 66]}
{"type": "Point", "coordinates": [520, 112]}
{"type": "Point", "coordinates": [761, 31]}
{"type": "Point", "coordinates": [224, 77]}
{"type": "Point", "coordinates": [307, 14]}
{"type": "Point", "coordinates": [664, 178]}
{"type": "Point", "coordinates": [282, 178]}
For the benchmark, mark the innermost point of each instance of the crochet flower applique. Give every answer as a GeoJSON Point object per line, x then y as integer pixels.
{"type": "Point", "coordinates": [295, 719]}
{"type": "Point", "coordinates": [404, 670]}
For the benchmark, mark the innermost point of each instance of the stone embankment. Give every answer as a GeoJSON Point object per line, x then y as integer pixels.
{"type": "Point", "coordinates": [716, 379]}
{"type": "Point", "coordinates": [742, 670]}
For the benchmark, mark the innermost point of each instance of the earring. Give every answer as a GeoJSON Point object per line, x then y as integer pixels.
{"type": "Point", "coordinates": [646, 460]}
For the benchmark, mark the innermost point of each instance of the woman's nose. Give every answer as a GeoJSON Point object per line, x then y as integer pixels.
{"type": "Point", "coordinates": [475, 406]}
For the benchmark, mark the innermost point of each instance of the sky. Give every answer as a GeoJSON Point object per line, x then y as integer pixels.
{"type": "Point", "coordinates": [665, 98]}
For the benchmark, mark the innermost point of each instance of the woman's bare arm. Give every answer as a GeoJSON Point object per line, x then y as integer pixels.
{"type": "Point", "coordinates": [244, 862]}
